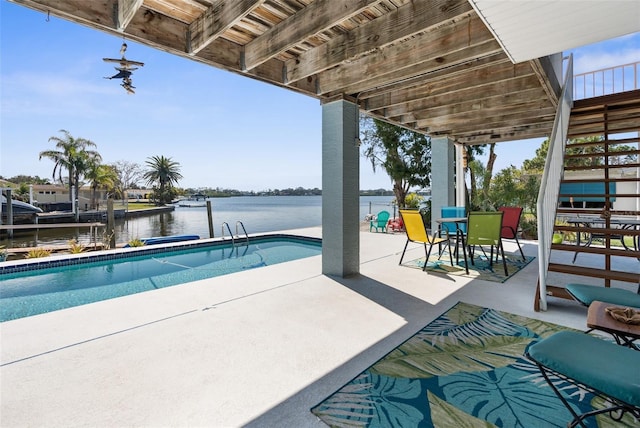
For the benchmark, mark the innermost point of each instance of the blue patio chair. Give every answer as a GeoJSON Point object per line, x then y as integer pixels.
{"type": "Point", "coordinates": [380, 221]}
{"type": "Point", "coordinates": [450, 228]}
{"type": "Point", "coordinates": [453, 212]}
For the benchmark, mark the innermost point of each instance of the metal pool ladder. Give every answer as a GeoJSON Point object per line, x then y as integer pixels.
{"type": "Point", "coordinates": [238, 223]}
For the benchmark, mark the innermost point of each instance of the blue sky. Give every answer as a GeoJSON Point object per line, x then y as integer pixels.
{"type": "Point", "coordinates": [225, 130]}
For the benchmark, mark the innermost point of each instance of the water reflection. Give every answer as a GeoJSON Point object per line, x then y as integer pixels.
{"type": "Point", "coordinates": [258, 214]}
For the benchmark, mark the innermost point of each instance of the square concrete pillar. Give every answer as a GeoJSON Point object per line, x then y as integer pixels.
{"type": "Point", "coordinates": [461, 196]}
{"type": "Point", "coordinates": [340, 189]}
{"type": "Point", "coordinates": [443, 191]}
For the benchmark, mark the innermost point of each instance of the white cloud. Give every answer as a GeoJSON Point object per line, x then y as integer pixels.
{"type": "Point", "coordinates": [592, 61]}
{"type": "Point", "coordinates": [611, 53]}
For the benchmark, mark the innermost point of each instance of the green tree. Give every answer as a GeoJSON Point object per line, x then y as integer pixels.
{"type": "Point", "coordinates": [513, 186]}
{"type": "Point", "coordinates": [100, 176]}
{"type": "Point", "coordinates": [479, 197]}
{"type": "Point", "coordinates": [404, 155]}
{"type": "Point", "coordinates": [471, 153]}
{"type": "Point", "coordinates": [589, 151]}
{"type": "Point", "coordinates": [27, 179]}
{"type": "Point", "coordinates": [165, 173]}
{"type": "Point", "coordinates": [21, 193]}
{"type": "Point", "coordinates": [72, 155]}
{"type": "Point", "coordinates": [537, 163]}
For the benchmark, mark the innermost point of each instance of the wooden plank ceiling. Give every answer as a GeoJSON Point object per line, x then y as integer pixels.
{"type": "Point", "coordinates": [428, 65]}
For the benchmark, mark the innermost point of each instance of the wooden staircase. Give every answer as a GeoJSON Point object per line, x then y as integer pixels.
{"type": "Point", "coordinates": [608, 177]}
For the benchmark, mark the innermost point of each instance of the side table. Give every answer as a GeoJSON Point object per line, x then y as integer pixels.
{"type": "Point", "coordinates": [599, 319]}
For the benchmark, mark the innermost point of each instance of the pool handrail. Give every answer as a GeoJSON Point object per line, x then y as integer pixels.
{"type": "Point", "coordinates": [224, 223]}
{"type": "Point", "coordinates": [243, 229]}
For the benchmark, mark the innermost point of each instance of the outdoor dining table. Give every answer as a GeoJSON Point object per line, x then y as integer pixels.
{"type": "Point", "coordinates": [621, 224]}
{"type": "Point", "coordinates": [459, 235]}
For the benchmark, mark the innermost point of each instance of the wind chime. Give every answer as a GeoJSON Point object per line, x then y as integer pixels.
{"type": "Point", "coordinates": [125, 69]}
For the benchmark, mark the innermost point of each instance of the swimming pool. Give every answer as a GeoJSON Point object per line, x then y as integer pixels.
{"type": "Point", "coordinates": [28, 289]}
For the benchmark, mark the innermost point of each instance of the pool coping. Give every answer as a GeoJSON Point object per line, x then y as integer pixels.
{"type": "Point", "coordinates": [61, 260]}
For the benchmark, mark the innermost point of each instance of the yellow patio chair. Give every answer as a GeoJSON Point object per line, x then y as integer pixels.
{"type": "Point", "coordinates": [417, 232]}
{"type": "Point", "coordinates": [485, 228]}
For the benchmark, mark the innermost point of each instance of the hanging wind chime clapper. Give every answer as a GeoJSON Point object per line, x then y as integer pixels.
{"type": "Point", "coordinates": [125, 69]}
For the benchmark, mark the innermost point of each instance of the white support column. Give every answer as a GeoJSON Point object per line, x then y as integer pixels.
{"type": "Point", "coordinates": [442, 177]}
{"type": "Point", "coordinates": [340, 189]}
{"type": "Point", "coordinates": [460, 185]}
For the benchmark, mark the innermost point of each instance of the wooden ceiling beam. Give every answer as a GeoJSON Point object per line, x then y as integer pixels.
{"type": "Point", "coordinates": [527, 99]}
{"type": "Point", "coordinates": [496, 135]}
{"type": "Point", "coordinates": [313, 19]}
{"type": "Point", "coordinates": [126, 11]}
{"type": "Point", "coordinates": [185, 11]}
{"type": "Point", "coordinates": [478, 77]}
{"type": "Point", "coordinates": [404, 22]}
{"type": "Point", "coordinates": [88, 13]}
{"type": "Point", "coordinates": [533, 109]}
{"type": "Point", "coordinates": [216, 20]}
{"type": "Point", "coordinates": [512, 90]}
{"type": "Point", "coordinates": [452, 71]}
{"type": "Point", "coordinates": [513, 119]}
{"type": "Point", "coordinates": [226, 55]}
{"type": "Point", "coordinates": [443, 47]}
{"type": "Point", "coordinates": [422, 71]}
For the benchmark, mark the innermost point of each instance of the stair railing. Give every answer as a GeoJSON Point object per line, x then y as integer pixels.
{"type": "Point", "coordinates": [550, 182]}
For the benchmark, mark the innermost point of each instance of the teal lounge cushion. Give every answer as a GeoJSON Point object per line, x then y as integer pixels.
{"type": "Point", "coordinates": [586, 294]}
{"type": "Point", "coordinates": [609, 368]}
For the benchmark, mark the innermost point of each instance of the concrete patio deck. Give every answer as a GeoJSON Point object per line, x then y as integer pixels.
{"type": "Point", "coordinates": [256, 349]}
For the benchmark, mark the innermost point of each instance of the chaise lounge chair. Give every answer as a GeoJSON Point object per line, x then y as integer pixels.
{"type": "Point", "coordinates": [586, 294]}
{"type": "Point", "coordinates": [608, 370]}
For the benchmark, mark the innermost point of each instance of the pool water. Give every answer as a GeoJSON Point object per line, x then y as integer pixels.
{"type": "Point", "coordinates": [24, 294]}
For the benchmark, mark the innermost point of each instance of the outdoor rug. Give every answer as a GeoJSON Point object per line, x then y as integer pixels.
{"type": "Point", "coordinates": [480, 270]}
{"type": "Point", "coordinates": [464, 369]}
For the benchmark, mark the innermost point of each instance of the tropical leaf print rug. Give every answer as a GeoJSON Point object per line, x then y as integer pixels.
{"type": "Point", "coordinates": [480, 269]}
{"type": "Point", "coordinates": [464, 369]}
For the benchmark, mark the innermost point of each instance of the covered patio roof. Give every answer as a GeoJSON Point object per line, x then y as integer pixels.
{"type": "Point", "coordinates": [441, 67]}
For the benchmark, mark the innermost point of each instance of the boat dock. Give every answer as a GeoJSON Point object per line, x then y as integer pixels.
{"type": "Point", "coordinates": [83, 216]}
{"type": "Point", "coordinates": [94, 227]}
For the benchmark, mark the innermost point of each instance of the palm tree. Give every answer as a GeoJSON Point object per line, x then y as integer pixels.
{"type": "Point", "coordinates": [164, 172]}
{"type": "Point", "coordinates": [100, 175]}
{"type": "Point", "coordinates": [72, 155]}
